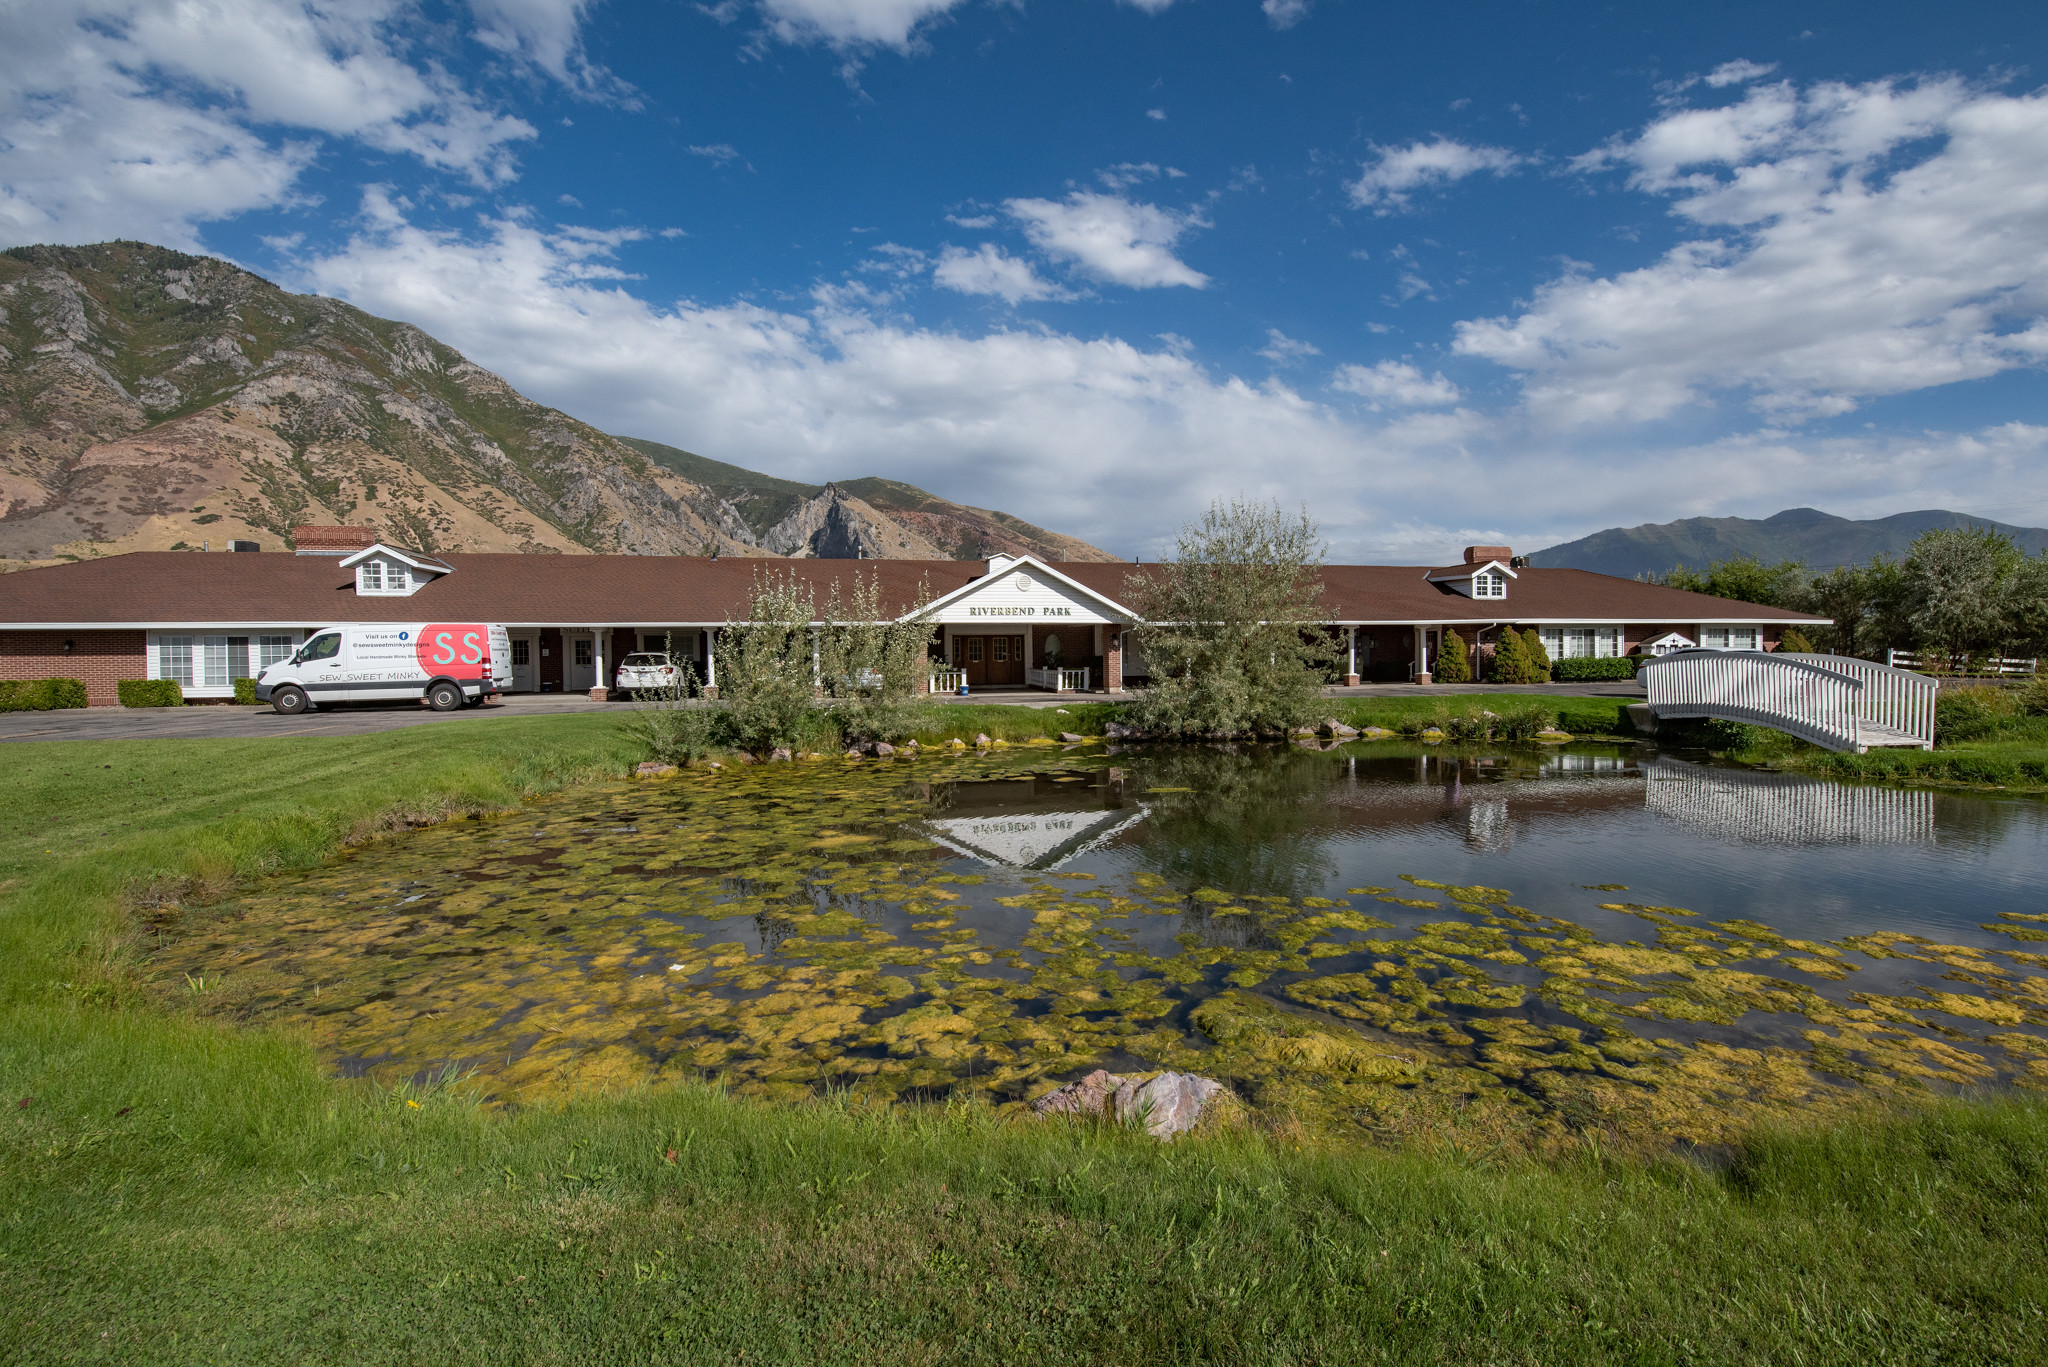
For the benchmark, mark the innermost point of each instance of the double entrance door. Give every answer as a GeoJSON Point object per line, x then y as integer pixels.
{"type": "Point", "coordinates": [990, 661]}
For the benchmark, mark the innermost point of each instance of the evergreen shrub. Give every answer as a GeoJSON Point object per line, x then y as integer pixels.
{"type": "Point", "coordinates": [1454, 662]}
{"type": "Point", "coordinates": [1539, 658]}
{"type": "Point", "coordinates": [245, 691]}
{"type": "Point", "coordinates": [1511, 660]}
{"type": "Point", "coordinates": [149, 693]}
{"type": "Point", "coordinates": [41, 695]}
{"type": "Point", "coordinates": [1586, 669]}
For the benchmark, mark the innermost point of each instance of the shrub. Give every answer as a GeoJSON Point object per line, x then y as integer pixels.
{"type": "Point", "coordinates": [1973, 713]}
{"type": "Point", "coordinates": [2032, 698]}
{"type": "Point", "coordinates": [245, 691]}
{"type": "Point", "coordinates": [1454, 662]}
{"type": "Point", "coordinates": [149, 693]}
{"type": "Point", "coordinates": [1517, 721]}
{"type": "Point", "coordinates": [1794, 640]}
{"type": "Point", "coordinates": [1586, 669]}
{"type": "Point", "coordinates": [41, 695]}
{"type": "Point", "coordinates": [1539, 658]}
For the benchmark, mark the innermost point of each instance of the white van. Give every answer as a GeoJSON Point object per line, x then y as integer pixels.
{"type": "Point", "coordinates": [449, 664]}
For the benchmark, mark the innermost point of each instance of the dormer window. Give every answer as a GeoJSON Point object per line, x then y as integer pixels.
{"type": "Point", "coordinates": [379, 576]}
{"type": "Point", "coordinates": [392, 572]}
{"type": "Point", "coordinates": [1491, 584]}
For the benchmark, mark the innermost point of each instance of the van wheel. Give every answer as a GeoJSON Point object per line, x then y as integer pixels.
{"type": "Point", "coordinates": [444, 697]}
{"type": "Point", "coordinates": [289, 701]}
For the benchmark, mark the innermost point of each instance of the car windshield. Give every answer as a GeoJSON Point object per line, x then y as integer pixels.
{"type": "Point", "coordinates": [644, 661]}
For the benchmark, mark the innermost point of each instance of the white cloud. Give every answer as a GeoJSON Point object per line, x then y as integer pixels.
{"type": "Point", "coordinates": [1285, 14]}
{"type": "Point", "coordinates": [1159, 114]}
{"type": "Point", "coordinates": [1396, 383]}
{"type": "Point", "coordinates": [1873, 240]}
{"type": "Point", "coordinates": [990, 270]}
{"type": "Point", "coordinates": [1281, 349]}
{"type": "Point", "coordinates": [125, 118]}
{"type": "Point", "coordinates": [547, 34]}
{"type": "Point", "coordinates": [978, 221]}
{"type": "Point", "coordinates": [1738, 72]}
{"type": "Point", "coordinates": [718, 153]}
{"type": "Point", "coordinates": [1149, 6]}
{"type": "Point", "coordinates": [1387, 185]}
{"type": "Point", "coordinates": [1111, 238]}
{"type": "Point", "coordinates": [852, 24]}
{"type": "Point", "coordinates": [1125, 174]}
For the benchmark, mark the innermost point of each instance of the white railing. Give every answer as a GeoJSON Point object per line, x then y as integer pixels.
{"type": "Point", "coordinates": [1920, 660]}
{"type": "Point", "coordinates": [1784, 809]}
{"type": "Point", "coordinates": [1058, 680]}
{"type": "Point", "coordinates": [1830, 700]}
{"type": "Point", "coordinates": [948, 680]}
{"type": "Point", "coordinates": [1894, 698]}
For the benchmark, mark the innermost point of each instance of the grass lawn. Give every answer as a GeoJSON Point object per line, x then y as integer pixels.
{"type": "Point", "coordinates": [184, 1192]}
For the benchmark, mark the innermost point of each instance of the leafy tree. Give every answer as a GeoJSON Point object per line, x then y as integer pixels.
{"type": "Point", "coordinates": [1231, 624]}
{"type": "Point", "coordinates": [1960, 580]}
{"type": "Point", "coordinates": [1744, 579]}
{"type": "Point", "coordinates": [868, 658]}
{"type": "Point", "coordinates": [1848, 594]}
{"type": "Point", "coordinates": [765, 664]}
{"type": "Point", "coordinates": [1511, 659]}
{"type": "Point", "coordinates": [2027, 607]}
{"type": "Point", "coordinates": [1539, 658]}
{"type": "Point", "coordinates": [1453, 661]}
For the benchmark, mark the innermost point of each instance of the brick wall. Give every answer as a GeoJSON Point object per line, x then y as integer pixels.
{"type": "Point", "coordinates": [99, 659]}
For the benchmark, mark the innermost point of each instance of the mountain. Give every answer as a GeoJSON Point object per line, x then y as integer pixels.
{"type": "Point", "coordinates": [871, 518]}
{"type": "Point", "coordinates": [1820, 539]}
{"type": "Point", "coordinates": [151, 400]}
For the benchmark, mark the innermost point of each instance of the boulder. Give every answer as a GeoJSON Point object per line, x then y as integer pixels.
{"type": "Point", "coordinates": [780, 755]}
{"type": "Point", "coordinates": [982, 742]}
{"type": "Point", "coordinates": [853, 753]}
{"type": "Point", "coordinates": [1116, 730]}
{"type": "Point", "coordinates": [1376, 732]}
{"type": "Point", "coordinates": [1167, 1104]}
{"type": "Point", "coordinates": [1339, 731]}
{"type": "Point", "coordinates": [1298, 731]}
{"type": "Point", "coordinates": [653, 768]}
{"type": "Point", "coordinates": [1069, 738]}
{"type": "Point", "coordinates": [956, 744]}
{"type": "Point", "coordinates": [910, 744]}
{"type": "Point", "coordinates": [883, 750]}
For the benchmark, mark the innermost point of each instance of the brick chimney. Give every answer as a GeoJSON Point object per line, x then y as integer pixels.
{"type": "Point", "coordinates": [1479, 555]}
{"type": "Point", "coordinates": [333, 540]}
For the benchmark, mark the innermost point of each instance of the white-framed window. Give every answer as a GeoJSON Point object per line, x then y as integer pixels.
{"type": "Point", "coordinates": [271, 649]}
{"type": "Point", "coordinates": [1730, 638]}
{"type": "Point", "coordinates": [1573, 642]}
{"type": "Point", "coordinates": [213, 653]}
{"type": "Point", "coordinates": [381, 576]}
{"type": "Point", "coordinates": [174, 659]}
{"type": "Point", "coordinates": [1492, 584]}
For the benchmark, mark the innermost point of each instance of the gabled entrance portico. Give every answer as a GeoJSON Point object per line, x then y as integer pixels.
{"type": "Point", "coordinates": [1026, 625]}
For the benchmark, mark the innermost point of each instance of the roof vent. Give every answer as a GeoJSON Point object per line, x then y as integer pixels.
{"type": "Point", "coordinates": [333, 540]}
{"type": "Point", "coordinates": [1479, 555]}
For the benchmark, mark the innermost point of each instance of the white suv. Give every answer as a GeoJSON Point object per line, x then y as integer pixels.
{"type": "Point", "coordinates": [646, 671]}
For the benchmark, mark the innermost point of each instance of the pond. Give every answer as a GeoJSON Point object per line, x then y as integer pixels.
{"type": "Point", "coordinates": [1366, 938]}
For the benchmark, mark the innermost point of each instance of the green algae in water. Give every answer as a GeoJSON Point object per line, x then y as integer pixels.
{"type": "Point", "coordinates": [789, 929]}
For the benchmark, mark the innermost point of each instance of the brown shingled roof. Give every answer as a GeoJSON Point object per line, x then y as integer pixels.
{"type": "Point", "coordinates": [186, 589]}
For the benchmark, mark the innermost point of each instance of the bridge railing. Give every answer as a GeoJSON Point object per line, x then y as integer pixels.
{"type": "Point", "coordinates": [1894, 698]}
{"type": "Point", "coordinates": [1790, 695]}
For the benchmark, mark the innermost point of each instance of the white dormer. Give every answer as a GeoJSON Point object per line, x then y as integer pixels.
{"type": "Point", "coordinates": [390, 572]}
{"type": "Point", "coordinates": [1487, 581]}
{"type": "Point", "coordinates": [999, 562]}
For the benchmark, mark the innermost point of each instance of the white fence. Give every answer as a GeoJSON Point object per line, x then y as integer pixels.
{"type": "Point", "coordinates": [948, 680]}
{"type": "Point", "coordinates": [1830, 700]}
{"type": "Point", "coordinates": [1920, 660]}
{"type": "Point", "coordinates": [1058, 680]}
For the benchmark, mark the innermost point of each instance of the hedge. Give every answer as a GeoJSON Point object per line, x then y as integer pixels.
{"type": "Point", "coordinates": [1587, 668]}
{"type": "Point", "coordinates": [41, 695]}
{"type": "Point", "coordinates": [245, 690]}
{"type": "Point", "coordinates": [150, 693]}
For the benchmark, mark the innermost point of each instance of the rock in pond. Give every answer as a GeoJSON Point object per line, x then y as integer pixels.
{"type": "Point", "coordinates": [982, 742]}
{"type": "Point", "coordinates": [1167, 1104]}
{"type": "Point", "coordinates": [780, 755]}
{"type": "Point", "coordinates": [654, 768]}
{"type": "Point", "coordinates": [1069, 738]}
{"type": "Point", "coordinates": [883, 750]}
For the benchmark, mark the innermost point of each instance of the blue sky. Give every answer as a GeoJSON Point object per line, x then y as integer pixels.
{"type": "Point", "coordinates": [1497, 271]}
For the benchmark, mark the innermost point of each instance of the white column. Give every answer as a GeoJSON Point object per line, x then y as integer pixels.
{"type": "Point", "coordinates": [710, 659]}
{"type": "Point", "coordinates": [1422, 655]}
{"type": "Point", "coordinates": [1351, 652]}
{"type": "Point", "coordinates": [597, 635]}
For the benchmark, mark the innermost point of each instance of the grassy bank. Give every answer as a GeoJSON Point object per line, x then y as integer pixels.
{"type": "Point", "coordinates": [1580, 716]}
{"type": "Point", "coordinates": [178, 1191]}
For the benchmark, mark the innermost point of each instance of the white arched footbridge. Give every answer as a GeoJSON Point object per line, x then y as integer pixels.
{"type": "Point", "coordinates": [1830, 700]}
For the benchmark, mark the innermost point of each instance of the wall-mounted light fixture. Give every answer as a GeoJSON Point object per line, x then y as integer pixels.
{"type": "Point", "coordinates": [69, 645]}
